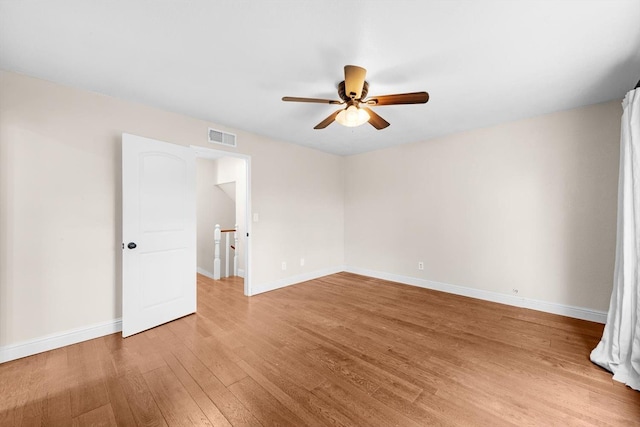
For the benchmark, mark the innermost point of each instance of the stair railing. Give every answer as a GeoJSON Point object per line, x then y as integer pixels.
{"type": "Point", "coordinates": [228, 247]}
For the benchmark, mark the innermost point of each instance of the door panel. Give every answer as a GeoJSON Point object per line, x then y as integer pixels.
{"type": "Point", "coordinates": [158, 216]}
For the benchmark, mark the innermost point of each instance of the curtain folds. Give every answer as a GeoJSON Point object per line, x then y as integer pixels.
{"type": "Point", "coordinates": [619, 349]}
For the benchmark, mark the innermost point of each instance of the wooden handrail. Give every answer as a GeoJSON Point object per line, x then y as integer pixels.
{"type": "Point", "coordinates": [228, 231]}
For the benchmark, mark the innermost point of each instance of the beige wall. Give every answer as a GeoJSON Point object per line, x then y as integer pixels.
{"type": "Point", "coordinates": [60, 227]}
{"type": "Point", "coordinates": [529, 205]}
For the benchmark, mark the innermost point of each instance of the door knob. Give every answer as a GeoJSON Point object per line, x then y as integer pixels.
{"type": "Point", "coordinates": [132, 245]}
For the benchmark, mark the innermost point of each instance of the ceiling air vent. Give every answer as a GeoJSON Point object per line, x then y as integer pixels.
{"type": "Point", "coordinates": [224, 138]}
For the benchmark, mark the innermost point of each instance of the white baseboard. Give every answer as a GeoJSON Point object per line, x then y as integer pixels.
{"type": "Point", "coordinates": [205, 273]}
{"type": "Point", "coordinates": [547, 307]}
{"type": "Point", "coordinates": [288, 281]}
{"type": "Point", "coordinates": [210, 274]}
{"type": "Point", "coordinates": [53, 341]}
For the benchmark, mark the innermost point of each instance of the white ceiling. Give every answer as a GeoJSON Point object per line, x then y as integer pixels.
{"type": "Point", "coordinates": [230, 62]}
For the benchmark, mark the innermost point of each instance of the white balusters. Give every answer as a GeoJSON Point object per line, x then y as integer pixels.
{"type": "Point", "coordinates": [226, 255]}
{"type": "Point", "coordinates": [216, 259]}
{"type": "Point", "coordinates": [235, 251]}
{"type": "Point", "coordinates": [217, 272]}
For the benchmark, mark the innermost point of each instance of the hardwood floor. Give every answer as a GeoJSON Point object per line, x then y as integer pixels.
{"type": "Point", "coordinates": [342, 350]}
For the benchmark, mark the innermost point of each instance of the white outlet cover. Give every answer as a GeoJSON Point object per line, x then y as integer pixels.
{"type": "Point", "coordinates": [256, 217]}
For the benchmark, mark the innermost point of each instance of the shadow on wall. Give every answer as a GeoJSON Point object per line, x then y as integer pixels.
{"type": "Point", "coordinates": [590, 189]}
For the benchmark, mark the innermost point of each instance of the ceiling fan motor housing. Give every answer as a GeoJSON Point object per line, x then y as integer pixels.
{"type": "Point", "coordinates": [343, 95]}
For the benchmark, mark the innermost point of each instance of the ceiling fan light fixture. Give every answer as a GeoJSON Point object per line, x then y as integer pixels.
{"type": "Point", "coordinates": [352, 116]}
{"type": "Point", "coordinates": [353, 91]}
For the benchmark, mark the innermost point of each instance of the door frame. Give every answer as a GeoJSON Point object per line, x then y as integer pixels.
{"type": "Point", "coordinates": [213, 154]}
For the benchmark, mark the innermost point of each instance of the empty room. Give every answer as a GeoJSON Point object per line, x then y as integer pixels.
{"type": "Point", "coordinates": [336, 213]}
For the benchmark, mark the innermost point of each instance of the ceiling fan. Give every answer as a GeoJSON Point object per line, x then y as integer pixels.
{"type": "Point", "coordinates": [353, 92]}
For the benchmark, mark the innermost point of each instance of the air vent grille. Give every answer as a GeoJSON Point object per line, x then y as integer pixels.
{"type": "Point", "coordinates": [223, 138]}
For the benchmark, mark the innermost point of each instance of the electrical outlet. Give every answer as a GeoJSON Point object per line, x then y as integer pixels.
{"type": "Point", "coordinates": [301, 262]}
{"type": "Point", "coordinates": [420, 265]}
{"type": "Point", "coordinates": [284, 265]}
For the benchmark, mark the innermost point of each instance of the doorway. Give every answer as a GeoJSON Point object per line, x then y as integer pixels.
{"type": "Point", "coordinates": [227, 178]}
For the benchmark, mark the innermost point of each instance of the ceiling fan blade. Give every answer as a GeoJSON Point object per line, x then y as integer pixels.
{"type": "Point", "coordinates": [316, 100]}
{"type": "Point", "coordinates": [326, 122]}
{"type": "Point", "coordinates": [354, 80]}
{"type": "Point", "coordinates": [375, 120]}
{"type": "Point", "coordinates": [399, 98]}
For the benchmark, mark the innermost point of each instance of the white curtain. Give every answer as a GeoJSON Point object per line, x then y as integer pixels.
{"type": "Point", "coordinates": [619, 349]}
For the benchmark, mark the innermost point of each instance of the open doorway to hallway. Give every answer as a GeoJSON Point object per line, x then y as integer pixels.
{"type": "Point", "coordinates": [221, 193]}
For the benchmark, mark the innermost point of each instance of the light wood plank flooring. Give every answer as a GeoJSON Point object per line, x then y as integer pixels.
{"type": "Point", "coordinates": [344, 350]}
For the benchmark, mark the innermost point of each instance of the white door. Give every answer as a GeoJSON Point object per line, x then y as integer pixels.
{"type": "Point", "coordinates": [158, 233]}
